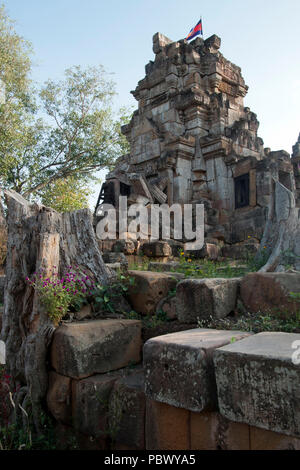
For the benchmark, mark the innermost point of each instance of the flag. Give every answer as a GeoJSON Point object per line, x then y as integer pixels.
{"type": "Point", "coordinates": [195, 31]}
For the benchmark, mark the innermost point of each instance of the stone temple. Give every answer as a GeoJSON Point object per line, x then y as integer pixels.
{"type": "Point", "coordinates": [192, 140]}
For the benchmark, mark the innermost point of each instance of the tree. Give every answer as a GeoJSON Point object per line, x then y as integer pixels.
{"type": "Point", "coordinates": [79, 136]}
{"type": "Point", "coordinates": [43, 240]}
{"type": "Point", "coordinates": [15, 66]}
{"type": "Point", "coordinates": [66, 195]}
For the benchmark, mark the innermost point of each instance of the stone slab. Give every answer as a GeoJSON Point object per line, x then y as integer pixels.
{"type": "Point", "coordinates": [179, 367]}
{"type": "Point", "coordinates": [205, 298]}
{"type": "Point", "coordinates": [259, 384]}
{"type": "Point", "coordinates": [90, 404]}
{"type": "Point", "coordinates": [267, 292]}
{"type": "Point", "coordinates": [167, 427]}
{"type": "Point", "coordinates": [82, 349]}
{"type": "Point", "coordinates": [127, 409]}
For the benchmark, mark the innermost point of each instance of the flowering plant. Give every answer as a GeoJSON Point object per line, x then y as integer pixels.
{"type": "Point", "coordinates": [59, 295]}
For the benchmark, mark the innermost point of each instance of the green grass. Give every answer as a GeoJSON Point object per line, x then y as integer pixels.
{"type": "Point", "coordinates": [256, 322]}
{"type": "Point", "coordinates": [200, 268]}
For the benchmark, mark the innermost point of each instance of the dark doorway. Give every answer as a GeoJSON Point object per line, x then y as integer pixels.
{"type": "Point", "coordinates": [241, 190]}
{"type": "Point", "coordinates": [285, 179]}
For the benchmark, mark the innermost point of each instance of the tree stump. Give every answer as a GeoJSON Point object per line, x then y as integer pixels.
{"type": "Point", "coordinates": [39, 237]}
{"type": "Point", "coordinates": [281, 236]}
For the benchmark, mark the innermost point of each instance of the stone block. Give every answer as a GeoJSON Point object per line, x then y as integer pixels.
{"type": "Point", "coordinates": [84, 313]}
{"type": "Point", "coordinates": [157, 249]}
{"type": "Point", "coordinates": [115, 257]}
{"type": "Point", "coordinates": [259, 384]}
{"type": "Point", "coordinates": [211, 431]}
{"type": "Point", "coordinates": [167, 427]}
{"type": "Point", "coordinates": [241, 252]}
{"type": "Point", "coordinates": [210, 251]}
{"type": "Point", "coordinates": [205, 298]}
{"type": "Point", "coordinates": [179, 368]}
{"type": "Point", "coordinates": [260, 439]}
{"type": "Point", "coordinates": [125, 246]}
{"type": "Point", "coordinates": [164, 267]}
{"type": "Point", "coordinates": [127, 409]}
{"type": "Point", "coordinates": [149, 288]}
{"type": "Point", "coordinates": [85, 348]}
{"type": "Point", "coordinates": [90, 404]}
{"type": "Point", "coordinates": [168, 307]}
{"type": "Point", "coordinates": [267, 292]}
{"type": "Point", "coordinates": [59, 397]}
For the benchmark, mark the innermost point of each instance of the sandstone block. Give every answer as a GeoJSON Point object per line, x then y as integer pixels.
{"type": "Point", "coordinates": [59, 397]}
{"type": "Point", "coordinates": [168, 306]}
{"type": "Point", "coordinates": [167, 427]}
{"type": "Point", "coordinates": [211, 251]}
{"type": "Point", "coordinates": [149, 288]}
{"type": "Point", "coordinates": [157, 249]}
{"type": "Point", "coordinates": [261, 439]}
{"type": "Point", "coordinates": [127, 408]}
{"type": "Point", "coordinates": [84, 313]}
{"type": "Point", "coordinates": [211, 431]}
{"type": "Point", "coordinates": [266, 292]}
{"type": "Point", "coordinates": [203, 298]}
{"type": "Point", "coordinates": [179, 368]}
{"type": "Point", "coordinates": [164, 267]}
{"type": "Point", "coordinates": [243, 251]}
{"type": "Point", "coordinates": [259, 384]}
{"type": "Point", "coordinates": [117, 257]}
{"type": "Point", "coordinates": [85, 348]}
{"type": "Point", "coordinates": [90, 404]}
{"type": "Point", "coordinates": [125, 246]}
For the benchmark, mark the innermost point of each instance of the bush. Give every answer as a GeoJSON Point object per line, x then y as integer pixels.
{"type": "Point", "coordinates": [59, 295]}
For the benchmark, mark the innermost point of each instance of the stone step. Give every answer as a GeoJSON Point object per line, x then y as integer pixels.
{"type": "Point", "coordinates": [205, 298]}
{"type": "Point", "coordinates": [81, 349]}
{"type": "Point", "coordinates": [179, 367]}
{"type": "Point", "coordinates": [258, 381]}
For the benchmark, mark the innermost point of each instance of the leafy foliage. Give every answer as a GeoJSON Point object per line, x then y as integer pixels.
{"type": "Point", "coordinates": [78, 135]}
{"type": "Point", "coordinates": [66, 194]}
{"type": "Point", "coordinates": [106, 296]}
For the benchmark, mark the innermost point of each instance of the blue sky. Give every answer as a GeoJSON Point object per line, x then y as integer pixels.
{"type": "Point", "coordinates": [262, 37]}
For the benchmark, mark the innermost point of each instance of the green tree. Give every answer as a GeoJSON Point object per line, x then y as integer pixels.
{"type": "Point", "coordinates": [66, 195]}
{"type": "Point", "coordinates": [15, 66]}
{"type": "Point", "coordinates": [79, 136]}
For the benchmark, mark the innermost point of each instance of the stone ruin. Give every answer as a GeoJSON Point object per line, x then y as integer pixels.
{"type": "Point", "coordinates": [192, 140]}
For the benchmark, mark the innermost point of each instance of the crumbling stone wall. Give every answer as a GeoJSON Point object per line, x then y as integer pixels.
{"type": "Point", "coordinates": [200, 389]}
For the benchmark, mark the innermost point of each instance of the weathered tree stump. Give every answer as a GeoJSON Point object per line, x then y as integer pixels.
{"type": "Point", "coordinates": [281, 237]}
{"type": "Point", "coordinates": [3, 236]}
{"type": "Point", "coordinates": [39, 237]}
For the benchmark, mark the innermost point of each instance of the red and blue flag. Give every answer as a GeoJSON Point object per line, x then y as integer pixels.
{"type": "Point", "coordinates": [195, 31]}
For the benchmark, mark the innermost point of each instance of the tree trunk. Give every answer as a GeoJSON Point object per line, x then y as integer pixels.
{"type": "Point", "coordinates": [39, 237]}
{"type": "Point", "coordinates": [281, 239]}
{"type": "Point", "coordinates": [3, 237]}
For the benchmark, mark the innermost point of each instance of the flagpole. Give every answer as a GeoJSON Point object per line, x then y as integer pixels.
{"type": "Point", "coordinates": [202, 27]}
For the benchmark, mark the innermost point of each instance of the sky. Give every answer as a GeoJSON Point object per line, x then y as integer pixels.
{"type": "Point", "coordinates": [260, 36]}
